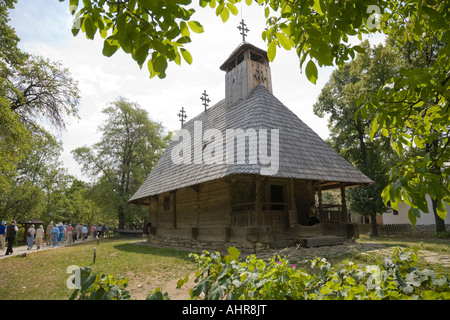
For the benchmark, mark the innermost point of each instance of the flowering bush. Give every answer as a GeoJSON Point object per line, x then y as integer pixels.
{"type": "Point", "coordinates": [394, 277]}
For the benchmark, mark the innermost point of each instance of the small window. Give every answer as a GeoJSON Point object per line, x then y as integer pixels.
{"type": "Point", "coordinates": [257, 57]}
{"type": "Point", "coordinates": [166, 203]}
{"type": "Point", "coordinates": [395, 212]}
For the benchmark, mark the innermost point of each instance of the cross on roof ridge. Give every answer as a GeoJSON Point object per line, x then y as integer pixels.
{"type": "Point", "coordinates": [242, 27]}
{"type": "Point", "coordinates": [182, 115]}
{"type": "Point", "coordinates": [205, 99]}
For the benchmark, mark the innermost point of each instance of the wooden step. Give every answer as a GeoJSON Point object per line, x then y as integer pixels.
{"type": "Point", "coordinates": [319, 241]}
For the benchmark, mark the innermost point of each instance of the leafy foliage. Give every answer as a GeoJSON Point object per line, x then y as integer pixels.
{"type": "Point", "coordinates": [145, 29]}
{"type": "Point", "coordinates": [100, 287]}
{"type": "Point", "coordinates": [395, 277]}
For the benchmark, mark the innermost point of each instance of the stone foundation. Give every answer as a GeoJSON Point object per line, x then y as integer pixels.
{"type": "Point", "coordinates": [200, 245]}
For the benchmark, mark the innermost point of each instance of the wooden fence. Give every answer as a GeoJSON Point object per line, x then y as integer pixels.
{"type": "Point", "coordinates": [396, 230]}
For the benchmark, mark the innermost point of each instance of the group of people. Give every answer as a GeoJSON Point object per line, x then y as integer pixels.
{"type": "Point", "coordinates": [56, 234]}
{"type": "Point", "coordinates": [68, 233]}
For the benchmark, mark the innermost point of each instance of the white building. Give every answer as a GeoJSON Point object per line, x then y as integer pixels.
{"type": "Point", "coordinates": [401, 217]}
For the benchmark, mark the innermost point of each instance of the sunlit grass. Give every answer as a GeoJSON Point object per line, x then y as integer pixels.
{"type": "Point", "coordinates": [42, 275]}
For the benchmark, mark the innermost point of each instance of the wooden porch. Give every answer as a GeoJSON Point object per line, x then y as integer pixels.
{"type": "Point", "coordinates": [275, 214]}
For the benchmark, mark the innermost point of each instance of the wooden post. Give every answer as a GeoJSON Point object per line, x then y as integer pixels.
{"type": "Point", "coordinates": [319, 194]}
{"type": "Point", "coordinates": [293, 219]}
{"type": "Point", "coordinates": [259, 217]}
{"type": "Point", "coordinates": [174, 210]}
{"type": "Point", "coordinates": [344, 217]}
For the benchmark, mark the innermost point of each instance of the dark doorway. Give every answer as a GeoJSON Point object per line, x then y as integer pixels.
{"type": "Point", "coordinates": [276, 195]}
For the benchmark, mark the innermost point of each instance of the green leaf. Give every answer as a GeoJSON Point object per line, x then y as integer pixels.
{"type": "Point", "coordinates": [110, 47]}
{"type": "Point", "coordinates": [272, 50]}
{"type": "Point", "coordinates": [186, 55]}
{"type": "Point", "coordinates": [142, 53]}
{"type": "Point", "coordinates": [232, 8]}
{"type": "Point", "coordinates": [441, 210]}
{"type": "Point", "coordinates": [359, 49]}
{"type": "Point", "coordinates": [373, 128]}
{"type": "Point", "coordinates": [317, 8]}
{"type": "Point", "coordinates": [89, 28]}
{"type": "Point", "coordinates": [284, 41]}
{"type": "Point", "coordinates": [311, 71]}
{"type": "Point", "coordinates": [181, 282]}
{"type": "Point", "coordinates": [160, 66]}
{"type": "Point", "coordinates": [335, 36]}
{"type": "Point", "coordinates": [184, 29]}
{"type": "Point", "coordinates": [225, 14]}
{"type": "Point", "coordinates": [195, 26]}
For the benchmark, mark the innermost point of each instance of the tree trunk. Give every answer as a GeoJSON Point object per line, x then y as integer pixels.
{"type": "Point", "coordinates": [440, 224]}
{"type": "Point", "coordinates": [121, 216]}
{"type": "Point", "coordinates": [373, 220]}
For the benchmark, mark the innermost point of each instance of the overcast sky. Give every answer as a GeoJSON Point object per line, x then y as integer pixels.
{"type": "Point", "coordinates": [44, 29]}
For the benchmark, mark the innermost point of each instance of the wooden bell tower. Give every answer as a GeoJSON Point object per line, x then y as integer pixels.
{"type": "Point", "coordinates": [246, 67]}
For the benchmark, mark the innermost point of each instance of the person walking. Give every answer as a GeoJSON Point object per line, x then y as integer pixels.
{"type": "Point", "coordinates": [61, 231]}
{"type": "Point", "coordinates": [78, 230]}
{"type": "Point", "coordinates": [30, 236]}
{"type": "Point", "coordinates": [3, 235]}
{"type": "Point", "coordinates": [69, 234]}
{"type": "Point", "coordinates": [48, 233]}
{"type": "Point", "coordinates": [99, 230]}
{"type": "Point", "coordinates": [54, 233]}
{"type": "Point", "coordinates": [84, 232]}
{"type": "Point", "coordinates": [40, 237]}
{"type": "Point", "coordinates": [11, 232]}
{"type": "Point", "coordinates": [93, 231]}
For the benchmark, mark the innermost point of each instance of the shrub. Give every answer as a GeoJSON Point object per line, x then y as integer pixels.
{"type": "Point", "coordinates": [100, 287]}
{"type": "Point", "coordinates": [394, 277]}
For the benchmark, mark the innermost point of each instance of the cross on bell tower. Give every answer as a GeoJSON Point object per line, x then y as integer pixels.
{"type": "Point", "coordinates": [244, 30]}
{"type": "Point", "coordinates": [182, 115]}
{"type": "Point", "coordinates": [205, 99]}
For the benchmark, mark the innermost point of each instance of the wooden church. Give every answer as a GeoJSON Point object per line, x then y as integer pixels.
{"type": "Point", "coordinates": [260, 188]}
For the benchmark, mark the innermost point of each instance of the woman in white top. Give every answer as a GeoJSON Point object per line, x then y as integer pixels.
{"type": "Point", "coordinates": [40, 237]}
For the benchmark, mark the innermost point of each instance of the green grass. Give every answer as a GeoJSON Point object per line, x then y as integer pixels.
{"type": "Point", "coordinates": [42, 275]}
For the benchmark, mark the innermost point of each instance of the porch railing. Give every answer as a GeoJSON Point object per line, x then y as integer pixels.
{"type": "Point", "coordinates": [273, 214]}
{"type": "Point", "coordinates": [331, 213]}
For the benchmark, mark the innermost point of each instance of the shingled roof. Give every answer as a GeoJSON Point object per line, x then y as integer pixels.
{"type": "Point", "coordinates": [302, 153]}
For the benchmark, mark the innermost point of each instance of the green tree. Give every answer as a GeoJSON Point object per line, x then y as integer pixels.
{"type": "Point", "coordinates": [33, 185]}
{"type": "Point", "coordinates": [33, 91]}
{"type": "Point", "coordinates": [350, 136]}
{"type": "Point", "coordinates": [130, 146]}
